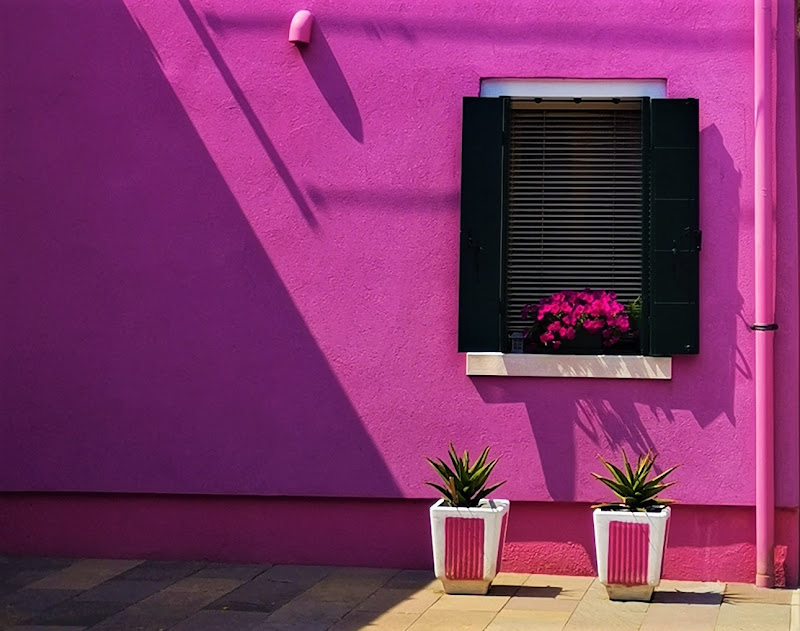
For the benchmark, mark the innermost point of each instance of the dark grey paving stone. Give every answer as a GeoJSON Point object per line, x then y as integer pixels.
{"type": "Point", "coordinates": [79, 613]}
{"type": "Point", "coordinates": [142, 618]}
{"type": "Point", "coordinates": [35, 563]}
{"type": "Point", "coordinates": [261, 594]}
{"type": "Point", "coordinates": [241, 571]}
{"type": "Point", "coordinates": [303, 575]}
{"type": "Point", "coordinates": [223, 621]}
{"type": "Point", "coordinates": [38, 627]}
{"type": "Point", "coordinates": [124, 591]}
{"type": "Point", "coordinates": [162, 571]}
{"type": "Point", "coordinates": [25, 603]}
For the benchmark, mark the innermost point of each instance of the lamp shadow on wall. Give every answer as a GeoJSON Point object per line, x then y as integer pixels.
{"type": "Point", "coordinates": [332, 84]}
{"type": "Point", "coordinates": [152, 347]}
{"type": "Point", "coordinates": [614, 414]}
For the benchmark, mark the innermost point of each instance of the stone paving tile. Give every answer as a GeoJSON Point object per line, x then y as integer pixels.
{"type": "Point", "coordinates": [554, 605]}
{"type": "Point", "coordinates": [77, 613]}
{"type": "Point", "coordinates": [687, 593]}
{"type": "Point", "coordinates": [571, 587]}
{"type": "Point", "coordinates": [207, 620]}
{"type": "Point", "coordinates": [453, 620]}
{"type": "Point", "coordinates": [390, 621]}
{"type": "Point", "coordinates": [750, 616]}
{"type": "Point", "coordinates": [455, 602]}
{"type": "Point", "coordinates": [302, 575]}
{"type": "Point", "coordinates": [23, 604]}
{"type": "Point", "coordinates": [243, 571]}
{"type": "Point", "coordinates": [313, 613]}
{"type": "Point", "coordinates": [669, 616]}
{"type": "Point", "coordinates": [522, 620]}
{"type": "Point", "coordinates": [162, 570]}
{"type": "Point", "coordinates": [124, 591]}
{"type": "Point", "coordinates": [137, 618]}
{"type": "Point", "coordinates": [414, 579]}
{"type": "Point", "coordinates": [746, 593]}
{"type": "Point", "coordinates": [261, 594]}
{"type": "Point", "coordinates": [215, 587]}
{"type": "Point", "coordinates": [17, 572]}
{"type": "Point", "coordinates": [348, 585]}
{"type": "Point", "coordinates": [508, 578]}
{"type": "Point", "coordinates": [408, 601]}
{"type": "Point", "coordinates": [44, 628]}
{"type": "Point", "coordinates": [84, 574]}
{"type": "Point", "coordinates": [595, 614]}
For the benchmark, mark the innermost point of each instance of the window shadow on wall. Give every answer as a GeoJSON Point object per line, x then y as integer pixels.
{"type": "Point", "coordinates": [148, 343]}
{"type": "Point", "coordinates": [614, 414]}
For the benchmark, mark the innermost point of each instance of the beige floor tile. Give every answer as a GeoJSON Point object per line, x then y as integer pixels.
{"type": "Point", "coordinates": [509, 578]}
{"type": "Point", "coordinates": [349, 586]}
{"type": "Point", "coordinates": [529, 620]}
{"type": "Point", "coordinates": [84, 574]}
{"type": "Point", "coordinates": [414, 579]}
{"type": "Point", "coordinates": [690, 586]}
{"type": "Point", "coordinates": [747, 593]}
{"type": "Point", "coordinates": [444, 620]}
{"type": "Point", "coordinates": [456, 602]}
{"type": "Point", "coordinates": [605, 615]}
{"type": "Point", "coordinates": [794, 624]}
{"type": "Point", "coordinates": [749, 616]}
{"type": "Point", "coordinates": [310, 613]}
{"type": "Point", "coordinates": [399, 601]}
{"type": "Point", "coordinates": [535, 603]}
{"type": "Point", "coordinates": [566, 586]}
{"type": "Point", "coordinates": [669, 616]}
{"type": "Point", "coordinates": [392, 621]}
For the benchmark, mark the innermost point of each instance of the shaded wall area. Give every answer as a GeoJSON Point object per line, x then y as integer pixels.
{"type": "Point", "coordinates": [148, 343]}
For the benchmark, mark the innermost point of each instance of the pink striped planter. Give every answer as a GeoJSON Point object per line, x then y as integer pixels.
{"type": "Point", "coordinates": [468, 544]}
{"type": "Point", "coordinates": [630, 551]}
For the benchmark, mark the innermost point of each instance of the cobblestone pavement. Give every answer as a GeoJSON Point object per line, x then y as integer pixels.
{"type": "Point", "coordinates": [102, 594]}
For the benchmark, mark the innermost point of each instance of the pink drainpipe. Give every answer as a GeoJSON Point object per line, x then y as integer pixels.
{"type": "Point", "coordinates": [765, 296]}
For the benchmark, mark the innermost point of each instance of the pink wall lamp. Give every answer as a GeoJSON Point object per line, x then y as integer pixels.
{"type": "Point", "coordinates": [300, 28]}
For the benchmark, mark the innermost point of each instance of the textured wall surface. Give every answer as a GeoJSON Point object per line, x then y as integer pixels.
{"type": "Point", "coordinates": [229, 265]}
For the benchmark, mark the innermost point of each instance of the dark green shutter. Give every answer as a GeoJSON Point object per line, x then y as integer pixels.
{"type": "Point", "coordinates": [482, 188]}
{"type": "Point", "coordinates": [674, 231]}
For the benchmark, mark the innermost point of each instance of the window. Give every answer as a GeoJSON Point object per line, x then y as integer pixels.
{"type": "Point", "coordinates": [561, 194]}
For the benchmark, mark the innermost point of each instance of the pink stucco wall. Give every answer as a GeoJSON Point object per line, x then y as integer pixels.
{"type": "Point", "coordinates": [229, 266]}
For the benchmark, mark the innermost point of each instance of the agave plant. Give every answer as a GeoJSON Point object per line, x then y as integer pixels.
{"type": "Point", "coordinates": [632, 486]}
{"type": "Point", "coordinates": [464, 483]}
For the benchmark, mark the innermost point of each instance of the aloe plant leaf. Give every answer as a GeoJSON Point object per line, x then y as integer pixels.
{"type": "Point", "coordinates": [618, 475]}
{"type": "Point", "coordinates": [614, 486]}
{"type": "Point", "coordinates": [663, 475]}
{"type": "Point", "coordinates": [487, 491]}
{"type": "Point", "coordinates": [445, 493]}
{"type": "Point", "coordinates": [628, 469]}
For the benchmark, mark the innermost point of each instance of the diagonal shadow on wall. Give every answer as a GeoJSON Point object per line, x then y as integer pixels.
{"type": "Point", "coordinates": [148, 343]}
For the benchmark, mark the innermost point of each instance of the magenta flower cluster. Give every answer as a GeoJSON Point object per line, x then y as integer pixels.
{"type": "Point", "coordinates": [559, 317]}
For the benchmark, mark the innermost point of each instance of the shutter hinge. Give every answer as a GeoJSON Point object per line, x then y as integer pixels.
{"type": "Point", "coordinates": [698, 239]}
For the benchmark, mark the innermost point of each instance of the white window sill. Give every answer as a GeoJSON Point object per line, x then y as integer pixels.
{"type": "Point", "coordinates": [597, 366]}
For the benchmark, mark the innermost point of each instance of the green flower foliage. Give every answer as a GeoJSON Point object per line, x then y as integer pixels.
{"type": "Point", "coordinates": [464, 484]}
{"type": "Point", "coordinates": [632, 486]}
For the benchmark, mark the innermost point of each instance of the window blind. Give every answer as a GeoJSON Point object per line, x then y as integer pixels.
{"type": "Point", "coordinates": [574, 201]}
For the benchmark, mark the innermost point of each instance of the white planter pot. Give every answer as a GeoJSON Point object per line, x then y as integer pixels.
{"type": "Point", "coordinates": [468, 544]}
{"type": "Point", "coordinates": [630, 551]}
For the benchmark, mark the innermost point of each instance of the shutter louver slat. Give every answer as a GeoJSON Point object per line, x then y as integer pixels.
{"type": "Point", "coordinates": [574, 205]}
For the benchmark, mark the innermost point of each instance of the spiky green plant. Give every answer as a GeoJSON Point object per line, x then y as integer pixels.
{"type": "Point", "coordinates": [464, 483]}
{"type": "Point", "coordinates": [632, 487]}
